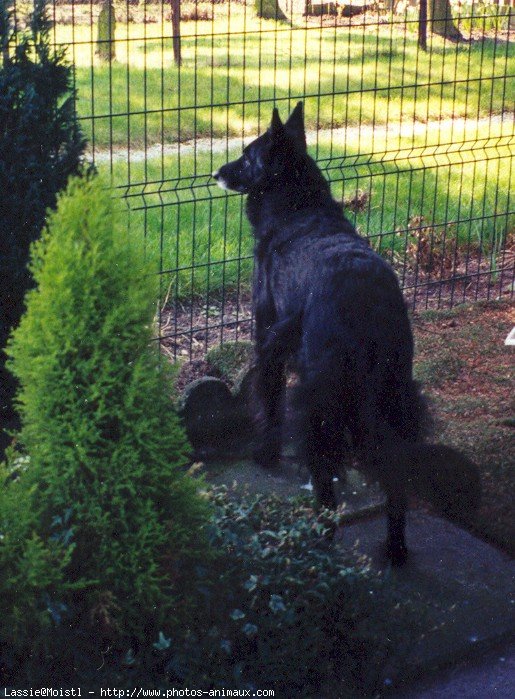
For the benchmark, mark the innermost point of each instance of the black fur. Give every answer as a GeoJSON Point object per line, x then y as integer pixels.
{"type": "Point", "coordinates": [327, 302]}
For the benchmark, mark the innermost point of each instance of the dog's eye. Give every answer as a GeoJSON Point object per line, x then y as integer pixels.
{"type": "Point", "coordinates": [246, 160]}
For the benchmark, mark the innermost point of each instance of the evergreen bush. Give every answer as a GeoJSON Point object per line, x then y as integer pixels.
{"type": "Point", "coordinates": [32, 567]}
{"type": "Point", "coordinates": [40, 146]}
{"type": "Point", "coordinates": [105, 480]}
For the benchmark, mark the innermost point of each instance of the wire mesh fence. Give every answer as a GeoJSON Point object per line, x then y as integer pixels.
{"type": "Point", "coordinates": [409, 112]}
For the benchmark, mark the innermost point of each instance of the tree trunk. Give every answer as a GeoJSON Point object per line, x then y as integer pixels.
{"type": "Point", "coordinates": [269, 9]}
{"type": "Point", "coordinates": [422, 25]}
{"type": "Point", "coordinates": [441, 21]}
{"type": "Point", "coordinates": [106, 32]}
{"type": "Point", "coordinates": [175, 6]}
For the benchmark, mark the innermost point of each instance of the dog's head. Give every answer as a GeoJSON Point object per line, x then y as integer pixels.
{"type": "Point", "coordinates": [267, 156]}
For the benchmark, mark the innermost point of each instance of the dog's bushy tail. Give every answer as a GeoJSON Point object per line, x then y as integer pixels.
{"type": "Point", "coordinates": [436, 473]}
{"type": "Point", "coordinates": [403, 459]}
{"type": "Point", "coordinates": [441, 475]}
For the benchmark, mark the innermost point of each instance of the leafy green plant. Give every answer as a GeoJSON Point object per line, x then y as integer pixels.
{"type": "Point", "coordinates": [105, 480]}
{"type": "Point", "coordinates": [280, 607]}
{"type": "Point", "coordinates": [483, 16]}
{"type": "Point", "coordinates": [41, 144]}
{"type": "Point", "coordinates": [284, 608]}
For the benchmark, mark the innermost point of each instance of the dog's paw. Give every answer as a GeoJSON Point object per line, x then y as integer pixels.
{"type": "Point", "coordinates": [395, 553]}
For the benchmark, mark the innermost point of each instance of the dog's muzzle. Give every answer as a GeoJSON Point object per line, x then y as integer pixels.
{"type": "Point", "coordinates": [219, 180]}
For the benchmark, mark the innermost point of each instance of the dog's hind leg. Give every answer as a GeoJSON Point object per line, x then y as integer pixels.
{"type": "Point", "coordinates": [322, 481]}
{"type": "Point", "coordinates": [380, 463]}
{"type": "Point", "coordinates": [376, 440]}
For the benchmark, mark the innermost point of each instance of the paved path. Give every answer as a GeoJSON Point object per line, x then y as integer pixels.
{"type": "Point", "coordinates": [472, 128]}
{"type": "Point", "coordinates": [493, 677]}
{"type": "Point", "coordinates": [466, 586]}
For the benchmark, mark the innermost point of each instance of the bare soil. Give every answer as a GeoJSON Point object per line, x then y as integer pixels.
{"type": "Point", "coordinates": [467, 372]}
{"type": "Point", "coordinates": [435, 274]}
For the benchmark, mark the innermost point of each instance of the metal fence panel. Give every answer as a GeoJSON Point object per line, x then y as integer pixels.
{"type": "Point", "coordinates": [417, 143]}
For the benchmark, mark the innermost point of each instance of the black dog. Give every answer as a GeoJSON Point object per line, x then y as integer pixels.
{"type": "Point", "coordinates": [327, 302]}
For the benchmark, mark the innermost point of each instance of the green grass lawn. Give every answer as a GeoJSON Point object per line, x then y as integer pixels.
{"type": "Point", "coordinates": [233, 67]}
{"type": "Point", "coordinates": [197, 233]}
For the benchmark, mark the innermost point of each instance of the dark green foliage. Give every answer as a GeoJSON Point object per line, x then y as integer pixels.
{"type": "Point", "coordinates": [105, 481]}
{"type": "Point", "coordinates": [285, 609]}
{"type": "Point", "coordinates": [32, 568]}
{"type": "Point", "coordinates": [281, 608]}
{"type": "Point", "coordinates": [40, 146]}
{"type": "Point", "coordinates": [106, 32]}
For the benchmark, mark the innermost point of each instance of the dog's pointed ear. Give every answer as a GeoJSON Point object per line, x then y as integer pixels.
{"type": "Point", "coordinates": [276, 126]}
{"type": "Point", "coordinates": [295, 124]}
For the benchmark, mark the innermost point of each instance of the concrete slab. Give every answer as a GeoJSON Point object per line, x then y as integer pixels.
{"type": "Point", "coordinates": [493, 676]}
{"type": "Point", "coordinates": [466, 586]}
{"type": "Point", "coordinates": [288, 480]}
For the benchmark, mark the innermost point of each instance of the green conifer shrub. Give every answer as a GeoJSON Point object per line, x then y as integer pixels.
{"type": "Point", "coordinates": [106, 452]}
{"type": "Point", "coordinates": [41, 144]}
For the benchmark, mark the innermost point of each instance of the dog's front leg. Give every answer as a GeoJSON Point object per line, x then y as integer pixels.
{"type": "Point", "coordinates": [396, 506]}
{"type": "Point", "coordinates": [270, 389]}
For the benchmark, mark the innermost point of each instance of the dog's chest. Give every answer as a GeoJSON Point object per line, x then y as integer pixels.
{"type": "Point", "coordinates": [281, 278]}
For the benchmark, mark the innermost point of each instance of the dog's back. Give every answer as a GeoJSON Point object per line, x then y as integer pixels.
{"type": "Point", "coordinates": [349, 333]}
